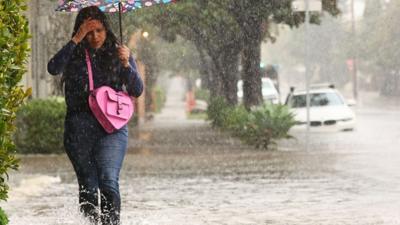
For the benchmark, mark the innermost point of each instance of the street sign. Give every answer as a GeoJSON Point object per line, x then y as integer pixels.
{"type": "Point", "coordinates": [313, 5]}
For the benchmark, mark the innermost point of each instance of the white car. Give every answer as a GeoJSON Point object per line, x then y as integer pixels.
{"type": "Point", "coordinates": [268, 90]}
{"type": "Point", "coordinates": [328, 110]}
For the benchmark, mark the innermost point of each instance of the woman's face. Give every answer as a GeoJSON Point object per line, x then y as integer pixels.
{"type": "Point", "coordinates": [97, 37]}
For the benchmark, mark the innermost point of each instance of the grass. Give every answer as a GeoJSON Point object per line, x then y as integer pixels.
{"type": "Point", "coordinates": [197, 116]}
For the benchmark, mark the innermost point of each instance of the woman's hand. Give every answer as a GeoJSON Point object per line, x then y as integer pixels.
{"type": "Point", "coordinates": [87, 26]}
{"type": "Point", "coordinates": [123, 54]}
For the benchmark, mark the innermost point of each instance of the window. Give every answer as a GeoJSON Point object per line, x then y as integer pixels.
{"type": "Point", "coordinates": [316, 99]}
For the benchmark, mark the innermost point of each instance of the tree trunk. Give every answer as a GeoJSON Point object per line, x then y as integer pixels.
{"type": "Point", "coordinates": [216, 89]}
{"type": "Point", "coordinates": [225, 75]}
{"type": "Point", "coordinates": [150, 80]}
{"type": "Point", "coordinates": [146, 53]}
{"type": "Point", "coordinates": [205, 71]}
{"type": "Point", "coordinates": [251, 75]}
{"type": "Point", "coordinates": [230, 74]}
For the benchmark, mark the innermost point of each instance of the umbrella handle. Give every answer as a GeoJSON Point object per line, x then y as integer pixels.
{"type": "Point", "coordinates": [120, 21]}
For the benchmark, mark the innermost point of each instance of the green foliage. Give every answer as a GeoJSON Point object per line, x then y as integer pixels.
{"type": "Point", "coordinates": [209, 29]}
{"type": "Point", "coordinates": [202, 94]}
{"type": "Point", "coordinates": [222, 30]}
{"type": "Point", "coordinates": [160, 98]}
{"type": "Point", "coordinates": [259, 127]}
{"type": "Point", "coordinates": [197, 116]}
{"type": "Point", "coordinates": [14, 35]}
{"type": "Point", "coordinates": [268, 123]}
{"type": "Point", "coordinates": [40, 126]}
{"type": "Point", "coordinates": [236, 121]}
{"type": "Point", "coordinates": [217, 112]}
{"type": "Point", "coordinates": [3, 217]}
{"type": "Point", "coordinates": [179, 57]}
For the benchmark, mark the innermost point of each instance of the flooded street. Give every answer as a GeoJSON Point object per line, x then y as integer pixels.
{"type": "Point", "coordinates": [181, 172]}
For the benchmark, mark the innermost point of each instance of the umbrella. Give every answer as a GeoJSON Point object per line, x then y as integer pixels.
{"type": "Point", "coordinates": [110, 6]}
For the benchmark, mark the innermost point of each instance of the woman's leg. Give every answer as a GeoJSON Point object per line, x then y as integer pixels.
{"type": "Point", "coordinates": [79, 140]}
{"type": "Point", "coordinates": [110, 152]}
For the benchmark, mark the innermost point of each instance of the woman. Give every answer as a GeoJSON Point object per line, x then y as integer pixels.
{"type": "Point", "coordinates": [95, 155]}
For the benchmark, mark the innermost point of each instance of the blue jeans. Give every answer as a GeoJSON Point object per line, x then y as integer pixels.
{"type": "Point", "coordinates": [97, 160]}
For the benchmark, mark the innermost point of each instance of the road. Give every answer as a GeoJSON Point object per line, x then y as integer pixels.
{"type": "Point", "coordinates": [182, 172]}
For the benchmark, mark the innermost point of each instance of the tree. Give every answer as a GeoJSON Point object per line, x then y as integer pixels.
{"type": "Point", "coordinates": [380, 49]}
{"type": "Point", "coordinates": [254, 18]}
{"type": "Point", "coordinates": [158, 54]}
{"type": "Point", "coordinates": [147, 55]}
{"type": "Point", "coordinates": [14, 49]}
{"type": "Point", "coordinates": [211, 29]}
{"type": "Point", "coordinates": [223, 30]}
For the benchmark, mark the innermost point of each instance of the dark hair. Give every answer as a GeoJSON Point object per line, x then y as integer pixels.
{"type": "Point", "coordinates": [107, 54]}
{"type": "Point", "coordinates": [95, 13]}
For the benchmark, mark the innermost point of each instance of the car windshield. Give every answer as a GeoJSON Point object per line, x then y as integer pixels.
{"type": "Point", "coordinates": [316, 99]}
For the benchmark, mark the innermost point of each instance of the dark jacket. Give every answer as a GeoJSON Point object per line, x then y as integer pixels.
{"type": "Point", "coordinates": [74, 69]}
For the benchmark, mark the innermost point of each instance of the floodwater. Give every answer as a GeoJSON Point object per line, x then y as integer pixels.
{"type": "Point", "coordinates": [180, 172]}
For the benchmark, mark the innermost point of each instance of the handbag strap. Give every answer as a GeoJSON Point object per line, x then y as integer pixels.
{"type": "Point", "coordinates": [89, 68]}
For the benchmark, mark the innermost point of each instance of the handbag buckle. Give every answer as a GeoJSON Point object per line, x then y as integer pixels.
{"type": "Point", "coordinates": [119, 104]}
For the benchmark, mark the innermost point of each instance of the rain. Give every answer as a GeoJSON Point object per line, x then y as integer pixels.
{"type": "Point", "coordinates": [254, 112]}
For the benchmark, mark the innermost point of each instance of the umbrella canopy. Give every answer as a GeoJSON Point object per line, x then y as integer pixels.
{"type": "Point", "coordinates": [109, 6]}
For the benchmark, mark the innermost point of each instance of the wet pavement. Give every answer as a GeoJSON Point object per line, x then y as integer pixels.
{"type": "Point", "coordinates": [181, 172]}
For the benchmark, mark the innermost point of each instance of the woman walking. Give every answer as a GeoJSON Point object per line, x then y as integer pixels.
{"type": "Point", "coordinates": [96, 155]}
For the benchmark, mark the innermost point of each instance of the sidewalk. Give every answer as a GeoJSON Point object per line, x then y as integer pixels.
{"type": "Point", "coordinates": [171, 131]}
{"type": "Point", "coordinates": [173, 114]}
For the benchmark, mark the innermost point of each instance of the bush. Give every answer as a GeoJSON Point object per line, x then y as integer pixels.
{"type": "Point", "coordinates": [268, 123]}
{"type": "Point", "coordinates": [40, 126]}
{"type": "Point", "coordinates": [202, 94]}
{"type": "Point", "coordinates": [259, 127]}
{"type": "Point", "coordinates": [14, 50]}
{"type": "Point", "coordinates": [236, 120]}
{"type": "Point", "coordinates": [3, 217]}
{"type": "Point", "coordinates": [159, 99]}
{"type": "Point", "coordinates": [217, 112]}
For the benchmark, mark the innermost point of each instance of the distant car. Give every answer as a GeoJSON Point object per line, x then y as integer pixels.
{"type": "Point", "coordinates": [328, 110]}
{"type": "Point", "coordinates": [269, 92]}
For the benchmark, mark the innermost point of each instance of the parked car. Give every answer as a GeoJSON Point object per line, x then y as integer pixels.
{"type": "Point", "coordinates": [268, 90]}
{"type": "Point", "coordinates": [328, 110]}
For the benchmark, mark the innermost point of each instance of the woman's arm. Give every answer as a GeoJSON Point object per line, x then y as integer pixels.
{"type": "Point", "coordinates": [131, 78]}
{"type": "Point", "coordinates": [59, 61]}
{"type": "Point", "coordinates": [57, 64]}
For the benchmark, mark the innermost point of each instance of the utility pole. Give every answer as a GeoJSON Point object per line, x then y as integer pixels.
{"type": "Point", "coordinates": [307, 6]}
{"type": "Point", "coordinates": [307, 64]}
{"type": "Point", "coordinates": [354, 53]}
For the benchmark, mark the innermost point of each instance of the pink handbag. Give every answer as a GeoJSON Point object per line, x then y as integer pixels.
{"type": "Point", "coordinates": [112, 109]}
